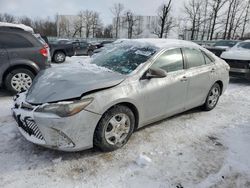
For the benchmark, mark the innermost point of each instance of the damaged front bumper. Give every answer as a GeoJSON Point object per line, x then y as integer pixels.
{"type": "Point", "coordinates": [72, 133]}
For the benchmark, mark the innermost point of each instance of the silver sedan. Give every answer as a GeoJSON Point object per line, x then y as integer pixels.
{"type": "Point", "coordinates": [101, 102]}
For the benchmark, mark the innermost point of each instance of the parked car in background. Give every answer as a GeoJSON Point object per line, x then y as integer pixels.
{"type": "Point", "coordinates": [103, 43]}
{"type": "Point", "coordinates": [22, 56]}
{"type": "Point", "coordinates": [222, 45]}
{"type": "Point", "coordinates": [238, 59]}
{"type": "Point", "coordinates": [84, 48]}
{"type": "Point", "coordinates": [102, 102]}
{"type": "Point", "coordinates": [60, 49]}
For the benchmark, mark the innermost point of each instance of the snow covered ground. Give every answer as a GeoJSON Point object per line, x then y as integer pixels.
{"type": "Point", "coordinates": [193, 149]}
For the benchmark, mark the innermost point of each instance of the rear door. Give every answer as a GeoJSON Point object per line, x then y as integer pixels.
{"type": "Point", "coordinates": [199, 76]}
{"type": "Point", "coordinates": [4, 58]}
{"type": "Point", "coordinates": [19, 48]}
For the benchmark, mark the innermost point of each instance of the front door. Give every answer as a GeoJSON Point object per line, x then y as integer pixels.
{"type": "Point", "coordinates": [166, 96]}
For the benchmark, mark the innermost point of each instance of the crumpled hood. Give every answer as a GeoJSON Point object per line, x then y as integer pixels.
{"type": "Point", "coordinates": [70, 81]}
{"type": "Point", "coordinates": [236, 54]}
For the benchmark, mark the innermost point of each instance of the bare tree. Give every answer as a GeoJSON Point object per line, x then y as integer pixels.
{"type": "Point", "coordinates": [246, 19]}
{"type": "Point", "coordinates": [95, 23]}
{"type": "Point", "coordinates": [192, 10]}
{"type": "Point", "coordinates": [165, 22]}
{"type": "Point", "coordinates": [230, 3]}
{"type": "Point", "coordinates": [44, 27]}
{"type": "Point", "coordinates": [9, 18]}
{"type": "Point", "coordinates": [63, 26]}
{"type": "Point", "coordinates": [216, 7]}
{"type": "Point", "coordinates": [205, 19]}
{"type": "Point", "coordinates": [130, 20]}
{"type": "Point", "coordinates": [25, 20]}
{"type": "Point", "coordinates": [117, 10]}
{"type": "Point", "coordinates": [108, 31]}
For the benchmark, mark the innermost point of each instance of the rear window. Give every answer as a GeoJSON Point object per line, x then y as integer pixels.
{"type": "Point", "coordinates": [9, 40]}
{"type": "Point", "coordinates": [245, 45]}
{"type": "Point", "coordinates": [194, 57]}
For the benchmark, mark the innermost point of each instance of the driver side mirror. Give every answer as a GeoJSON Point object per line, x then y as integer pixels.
{"type": "Point", "coordinates": [154, 73]}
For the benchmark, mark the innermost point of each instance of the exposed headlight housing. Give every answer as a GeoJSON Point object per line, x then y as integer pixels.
{"type": "Point", "coordinates": [65, 109]}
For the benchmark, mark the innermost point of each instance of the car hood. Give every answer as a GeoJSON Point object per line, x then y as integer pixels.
{"type": "Point", "coordinates": [236, 54]}
{"type": "Point", "coordinates": [70, 81]}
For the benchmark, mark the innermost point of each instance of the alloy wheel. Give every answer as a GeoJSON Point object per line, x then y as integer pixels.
{"type": "Point", "coordinates": [117, 129]}
{"type": "Point", "coordinates": [21, 81]}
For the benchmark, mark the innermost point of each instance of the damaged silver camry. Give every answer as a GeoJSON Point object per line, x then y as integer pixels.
{"type": "Point", "coordinates": [102, 102]}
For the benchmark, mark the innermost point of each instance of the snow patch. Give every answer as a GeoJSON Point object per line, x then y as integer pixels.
{"type": "Point", "coordinates": [143, 160]}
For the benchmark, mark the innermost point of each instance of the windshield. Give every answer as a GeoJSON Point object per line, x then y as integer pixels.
{"type": "Point", "coordinates": [226, 43]}
{"type": "Point", "coordinates": [245, 45]}
{"type": "Point", "coordinates": [125, 58]}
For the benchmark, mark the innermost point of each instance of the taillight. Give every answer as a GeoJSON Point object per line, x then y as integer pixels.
{"type": "Point", "coordinates": [44, 52]}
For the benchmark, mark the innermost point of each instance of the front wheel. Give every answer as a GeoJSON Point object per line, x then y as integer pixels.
{"type": "Point", "coordinates": [114, 129]}
{"type": "Point", "coordinates": [213, 97]}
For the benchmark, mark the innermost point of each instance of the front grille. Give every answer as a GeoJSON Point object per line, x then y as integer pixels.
{"type": "Point", "coordinates": [239, 64]}
{"type": "Point", "coordinates": [30, 127]}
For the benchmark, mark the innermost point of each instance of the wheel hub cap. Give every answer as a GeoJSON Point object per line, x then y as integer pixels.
{"type": "Point", "coordinates": [117, 129]}
{"type": "Point", "coordinates": [21, 81]}
{"type": "Point", "coordinates": [213, 97]}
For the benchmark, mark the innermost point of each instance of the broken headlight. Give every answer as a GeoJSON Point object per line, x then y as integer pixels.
{"type": "Point", "coordinates": [65, 109]}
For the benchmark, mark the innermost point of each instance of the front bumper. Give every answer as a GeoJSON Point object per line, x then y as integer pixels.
{"type": "Point", "coordinates": [241, 73]}
{"type": "Point", "coordinates": [72, 133]}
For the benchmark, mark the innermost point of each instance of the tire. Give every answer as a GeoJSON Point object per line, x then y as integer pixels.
{"type": "Point", "coordinates": [212, 97]}
{"type": "Point", "coordinates": [90, 53]}
{"type": "Point", "coordinates": [59, 57]}
{"type": "Point", "coordinates": [18, 80]}
{"type": "Point", "coordinates": [114, 129]}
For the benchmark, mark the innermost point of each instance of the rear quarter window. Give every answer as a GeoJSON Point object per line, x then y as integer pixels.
{"type": "Point", "coordinates": [9, 40]}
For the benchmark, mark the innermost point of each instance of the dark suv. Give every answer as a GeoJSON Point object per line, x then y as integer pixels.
{"type": "Point", "coordinates": [22, 56]}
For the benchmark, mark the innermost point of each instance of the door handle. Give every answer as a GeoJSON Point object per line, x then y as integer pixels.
{"type": "Point", "coordinates": [212, 70]}
{"type": "Point", "coordinates": [184, 79]}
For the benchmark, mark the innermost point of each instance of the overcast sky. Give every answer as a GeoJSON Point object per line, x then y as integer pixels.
{"type": "Point", "coordinates": [45, 8]}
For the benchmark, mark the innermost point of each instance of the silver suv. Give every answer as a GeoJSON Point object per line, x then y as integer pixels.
{"type": "Point", "coordinates": [22, 56]}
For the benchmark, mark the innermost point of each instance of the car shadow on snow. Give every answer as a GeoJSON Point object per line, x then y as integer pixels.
{"type": "Point", "coordinates": [5, 93]}
{"type": "Point", "coordinates": [186, 115]}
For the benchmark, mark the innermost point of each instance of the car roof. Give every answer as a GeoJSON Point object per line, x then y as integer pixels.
{"type": "Point", "coordinates": [16, 26]}
{"type": "Point", "coordinates": [164, 43]}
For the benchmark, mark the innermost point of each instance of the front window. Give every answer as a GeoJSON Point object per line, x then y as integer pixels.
{"type": "Point", "coordinates": [124, 58]}
{"type": "Point", "coordinates": [170, 61]}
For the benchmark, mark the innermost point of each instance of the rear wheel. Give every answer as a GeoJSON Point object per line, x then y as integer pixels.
{"type": "Point", "coordinates": [90, 53]}
{"type": "Point", "coordinates": [114, 129]}
{"type": "Point", "coordinates": [19, 80]}
{"type": "Point", "coordinates": [59, 57]}
{"type": "Point", "coordinates": [213, 97]}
